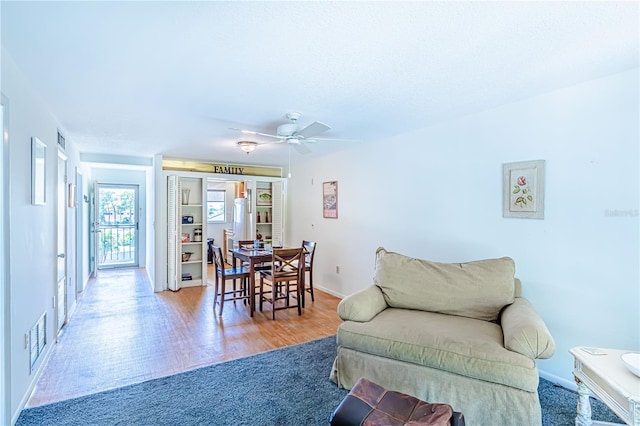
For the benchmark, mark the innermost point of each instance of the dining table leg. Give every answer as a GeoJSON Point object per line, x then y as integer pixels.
{"type": "Point", "coordinates": [252, 287]}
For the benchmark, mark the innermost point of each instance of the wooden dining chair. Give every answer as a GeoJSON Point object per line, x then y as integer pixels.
{"type": "Point", "coordinates": [246, 244]}
{"type": "Point", "coordinates": [286, 274]}
{"type": "Point", "coordinates": [309, 248]}
{"type": "Point", "coordinates": [223, 274]}
{"type": "Point", "coordinates": [250, 243]}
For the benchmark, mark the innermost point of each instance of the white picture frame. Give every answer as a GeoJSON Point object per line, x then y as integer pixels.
{"type": "Point", "coordinates": [38, 172]}
{"type": "Point", "coordinates": [523, 189]}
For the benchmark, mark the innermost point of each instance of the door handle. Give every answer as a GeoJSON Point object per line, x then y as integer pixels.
{"type": "Point", "coordinates": [61, 255]}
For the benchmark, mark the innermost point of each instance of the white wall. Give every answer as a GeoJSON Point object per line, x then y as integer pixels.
{"type": "Point", "coordinates": [436, 194]}
{"type": "Point", "coordinates": [32, 239]}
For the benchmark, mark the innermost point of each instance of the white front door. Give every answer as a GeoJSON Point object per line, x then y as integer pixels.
{"type": "Point", "coordinates": [5, 400]}
{"type": "Point", "coordinates": [61, 252]}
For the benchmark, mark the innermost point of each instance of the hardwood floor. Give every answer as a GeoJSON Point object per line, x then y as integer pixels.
{"type": "Point", "coordinates": [123, 333]}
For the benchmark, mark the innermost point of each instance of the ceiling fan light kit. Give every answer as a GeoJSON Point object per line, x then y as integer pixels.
{"type": "Point", "coordinates": [247, 146]}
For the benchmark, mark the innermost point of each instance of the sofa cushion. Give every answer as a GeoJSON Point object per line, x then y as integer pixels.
{"type": "Point", "coordinates": [464, 346]}
{"type": "Point", "coordinates": [478, 289]}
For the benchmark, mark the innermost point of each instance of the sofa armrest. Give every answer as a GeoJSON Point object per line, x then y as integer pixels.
{"type": "Point", "coordinates": [525, 332]}
{"type": "Point", "coordinates": [363, 305]}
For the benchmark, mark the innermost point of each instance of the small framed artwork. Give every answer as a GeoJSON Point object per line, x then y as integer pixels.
{"type": "Point", "coordinates": [263, 197]}
{"type": "Point", "coordinates": [523, 189]}
{"type": "Point", "coordinates": [330, 199]}
{"type": "Point", "coordinates": [38, 172]}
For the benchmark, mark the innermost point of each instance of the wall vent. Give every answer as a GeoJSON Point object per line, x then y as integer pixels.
{"type": "Point", "coordinates": [37, 340]}
{"type": "Point", "coordinates": [61, 141]}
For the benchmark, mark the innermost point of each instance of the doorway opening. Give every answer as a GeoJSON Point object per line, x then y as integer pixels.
{"type": "Point", "coordinates": [117, 225]}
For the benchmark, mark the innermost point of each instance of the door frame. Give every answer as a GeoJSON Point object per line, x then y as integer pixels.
{"type": "Point", "coordinates": [136, 188]}
{"type": "Point", "coordinates": [79, 226]}
{"type": "Point", "coordinates": [5, 277]}
{"type": "Point", "coordinates": [61, 242]}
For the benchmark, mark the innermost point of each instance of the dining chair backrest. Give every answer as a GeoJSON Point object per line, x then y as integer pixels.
{"type": "Point", "coordinates": [287, 262]}
{"type": "Point", "coordinates": [309, 248]}
{"type": "Point", "coordinates": [218, 261]}
{"type": "Point", "coordinates": [246, 243]}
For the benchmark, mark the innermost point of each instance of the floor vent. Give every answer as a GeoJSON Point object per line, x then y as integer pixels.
{"type": "Point", "coordinates": [37, 340]}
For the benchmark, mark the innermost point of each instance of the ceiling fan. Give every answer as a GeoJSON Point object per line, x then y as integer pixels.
{"type": "Point", "coordinates": [293, 134]}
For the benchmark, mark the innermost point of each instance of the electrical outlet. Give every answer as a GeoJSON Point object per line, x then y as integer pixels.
{"type": "Point", "coordinates": [337, 269]}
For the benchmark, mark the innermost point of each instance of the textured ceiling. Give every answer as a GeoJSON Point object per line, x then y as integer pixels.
{"type": "Point", "coordinates": [141, 78]}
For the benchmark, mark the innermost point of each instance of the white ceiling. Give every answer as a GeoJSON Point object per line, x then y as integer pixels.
{"type": "Point", "coordinates": [140, 78]}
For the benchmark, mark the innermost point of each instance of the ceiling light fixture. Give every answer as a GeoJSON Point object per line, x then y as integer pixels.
{"type": "Point", "coordinates": [247, 146]}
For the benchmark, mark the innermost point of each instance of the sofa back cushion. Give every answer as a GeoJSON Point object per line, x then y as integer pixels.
{"type": "Point", "coordinates": [478, 289]}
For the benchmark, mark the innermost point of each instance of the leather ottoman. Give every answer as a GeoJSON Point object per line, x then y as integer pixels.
{"type": "Point", "coordinates": [369, 404]}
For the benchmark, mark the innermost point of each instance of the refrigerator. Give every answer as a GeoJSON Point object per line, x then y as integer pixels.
{"type": "Point", "coordinates": [242, 221]}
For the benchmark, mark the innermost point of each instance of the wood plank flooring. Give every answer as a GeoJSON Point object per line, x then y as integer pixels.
{"type": "Point", "coordinates": [123, 333]}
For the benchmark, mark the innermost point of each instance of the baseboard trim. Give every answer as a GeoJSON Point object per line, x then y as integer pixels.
{"type": "Point", "coordinates": [567, 384]}
{"type": "Point", "coordinates": [331, 292]}
{"type": "Point", "coordinates": [36, 376]}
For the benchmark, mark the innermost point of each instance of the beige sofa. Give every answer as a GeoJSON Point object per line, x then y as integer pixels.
{"type": "Point", "coordinates": [456, 333]}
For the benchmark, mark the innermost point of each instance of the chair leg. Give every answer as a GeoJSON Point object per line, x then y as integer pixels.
{"type": "Point", "coordinates": [311, 285]}
{"type": "Point", "coordinates": [260, 295]}
{"type": "Point", "coordinates": [274, 293]}
{"type": "Point", "coordinates": [286, 293]}
{"type": "Point", "coordinates": [222, 290]}
{"type": "Point", "coordinates": [215, 295]}
{"type": "Point", "coordinates": [235, 292]}
{"type": "Point", "coordinates": [299, 296]}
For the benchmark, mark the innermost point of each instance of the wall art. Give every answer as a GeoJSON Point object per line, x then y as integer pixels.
{"type": "Point", "coordinates": [330, 199]}
{"type": "Point", "coordinates": [523, 189]}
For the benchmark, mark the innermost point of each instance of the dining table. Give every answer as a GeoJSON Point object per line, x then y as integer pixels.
{"type": "Point", "coordinates": [253, 257]}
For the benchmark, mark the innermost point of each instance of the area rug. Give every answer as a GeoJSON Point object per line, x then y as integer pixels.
{"type": "Point", "coordinates": [287, 386]}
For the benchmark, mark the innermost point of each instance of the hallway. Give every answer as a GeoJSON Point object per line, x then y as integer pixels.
{"type": "Point", "coordinates": [123, 333]}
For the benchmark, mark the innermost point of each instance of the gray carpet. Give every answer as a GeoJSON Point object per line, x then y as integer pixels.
{"type": "Point", "coordinates": [288, 386]}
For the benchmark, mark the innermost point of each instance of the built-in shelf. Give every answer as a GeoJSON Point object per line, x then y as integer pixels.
{"type": "Point", "coordinates": [186, 233]}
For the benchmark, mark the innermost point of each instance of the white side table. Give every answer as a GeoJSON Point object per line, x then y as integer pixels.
{"type": "Point", "coordinates": [602, 372]}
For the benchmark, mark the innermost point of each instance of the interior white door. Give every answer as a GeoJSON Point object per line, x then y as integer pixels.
{"type": "Point", "coordinates": [173, 266]}
{"type": "Point", "coordinates": [79, 224]}
{"type": "Point", "coordinates": [4, 282]}
{"type": "Point", "coordinates": [94, 235]}
{"type": "Point", "coordinates": [61, 252]}
{"type": "Point", "coordinates": [277, 213]}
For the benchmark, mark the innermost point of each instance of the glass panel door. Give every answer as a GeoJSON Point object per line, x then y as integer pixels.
{"type": "Point", "coordinates": [117, 225]}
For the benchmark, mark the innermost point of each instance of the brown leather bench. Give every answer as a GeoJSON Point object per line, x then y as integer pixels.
{"type": "Point", "coordinates": [370, 404]}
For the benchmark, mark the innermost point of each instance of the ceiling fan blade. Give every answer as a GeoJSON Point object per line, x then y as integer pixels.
{"type": "Point", "coordinates": [301, 148]}
{"type": "Point", "coordinates": [312, 129]}
{"type": "Point", "coordinates": [333, 139]}
{"type": "Point", "coordinates": [251, 132]}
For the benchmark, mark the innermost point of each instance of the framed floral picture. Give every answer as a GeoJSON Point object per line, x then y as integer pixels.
{"type": "Point", "coordinates": [330, 199]}
{"type": "Point", "coordinates": [523, 189]}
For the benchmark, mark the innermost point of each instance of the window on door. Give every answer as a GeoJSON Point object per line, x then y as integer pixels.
{"type": "Point", "coordinates": [216, 205]}
{"type": "Point", "coordinates": [117, 219]}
